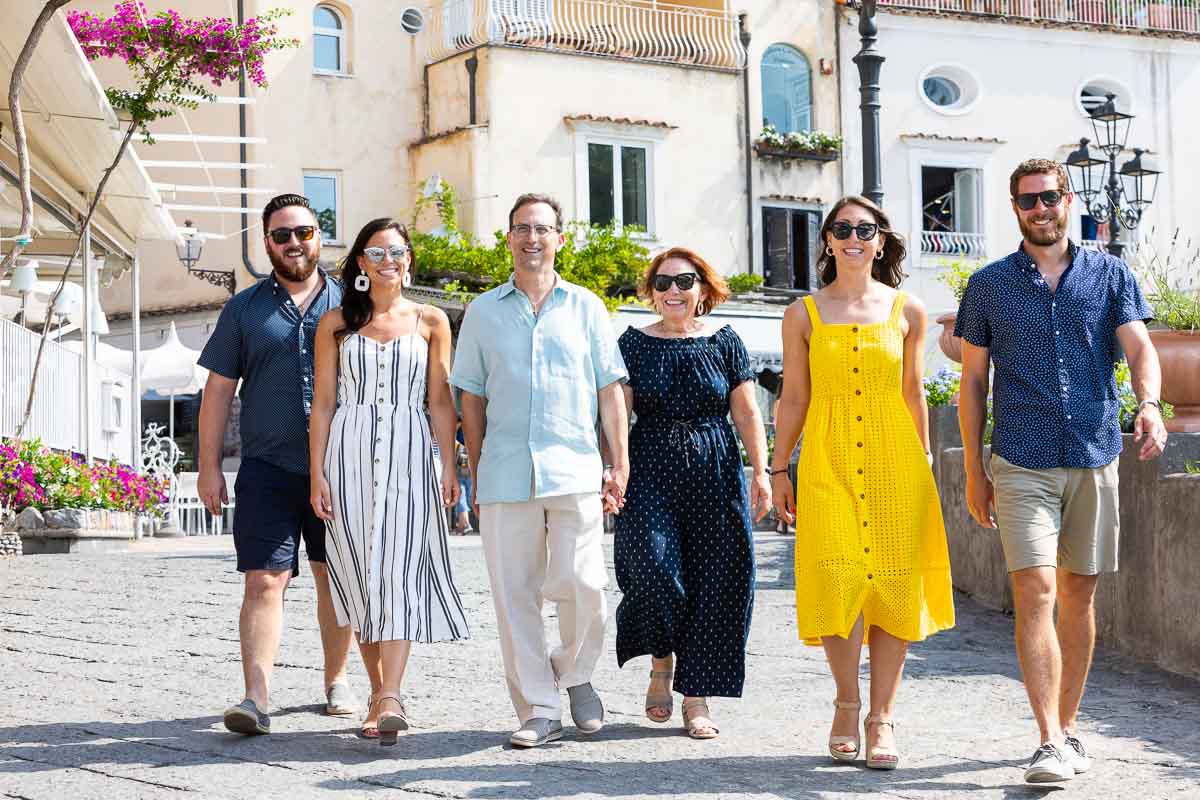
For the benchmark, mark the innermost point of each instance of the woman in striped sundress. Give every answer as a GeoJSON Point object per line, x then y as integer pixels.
{"type": "Point", "coordinates": [379, 479]}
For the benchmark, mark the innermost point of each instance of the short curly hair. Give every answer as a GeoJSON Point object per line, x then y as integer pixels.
{"type": "Point", "coordinates": [1039, 166]}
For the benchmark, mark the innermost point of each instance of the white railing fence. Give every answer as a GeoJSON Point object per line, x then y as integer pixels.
{"type": "Point", "coordinates": [953, 243]}
{"type": "Point", "coordinates": [1102, 245]}
{"type": "Point", "coordinates": [642, 29]}
{"type": "Point", "coordinates": [58, 407]}
{"type": "Point", "coordinates": [1175, 16]}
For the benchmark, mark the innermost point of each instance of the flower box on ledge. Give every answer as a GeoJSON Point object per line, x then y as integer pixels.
{"type": "Point", "coordinates": [771, 151]}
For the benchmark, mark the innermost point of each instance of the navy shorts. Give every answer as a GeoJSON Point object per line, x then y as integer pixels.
{"type": "Point", "coordinates": [271, 515]}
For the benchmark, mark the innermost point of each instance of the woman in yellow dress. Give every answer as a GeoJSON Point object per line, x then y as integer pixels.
{"type": "Point", "coordinates": [871, 558]}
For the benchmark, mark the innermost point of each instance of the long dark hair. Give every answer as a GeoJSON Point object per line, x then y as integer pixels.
{"type": "Point", "coordinates": [885, 269]}
{"type": "Point", "coordinates": [357, 308]}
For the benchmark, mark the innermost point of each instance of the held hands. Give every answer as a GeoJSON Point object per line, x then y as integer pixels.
{"type": "Point", "coordinates": [612, 493]}
{"type": "Point", "coordinates": [981, 500]}
{"type": "Point", "coordinates": [1148, 428]}
{"type": "Point", "coordinates": [210, 485]}
{"type": "Point", "coordinates": [760, 496]}
{"type": "Point", "coordinates": [784, 497]}
{"type": "Point", "coordinates": [320, 497]}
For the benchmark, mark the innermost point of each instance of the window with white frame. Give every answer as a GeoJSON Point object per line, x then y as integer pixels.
{"type": "Point", "coordinates": [618, 184]}
{"type": "Point", "coordinates": [951, 211]}
{"type": "Point", "coordinates": [329, 41]}
{"type": "Point", "coordinates": [324, 191]}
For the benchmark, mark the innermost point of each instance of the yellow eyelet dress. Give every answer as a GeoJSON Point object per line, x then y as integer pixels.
{"type": "Point", "coordinates": [869, 533]}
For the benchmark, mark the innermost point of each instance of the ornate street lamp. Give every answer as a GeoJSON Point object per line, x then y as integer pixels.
{"type": "Point", "coordinates": [1120, 196]}
{"type": "Point", "coordinates": [189, 251]}
{"type": "Point", "coordinates": [869, 62]}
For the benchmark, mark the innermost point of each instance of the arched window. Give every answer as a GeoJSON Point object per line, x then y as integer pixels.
{"type": "Point", "coordinates": [786, 89]}
{"type": "Point", "coordinates": [329, 41]}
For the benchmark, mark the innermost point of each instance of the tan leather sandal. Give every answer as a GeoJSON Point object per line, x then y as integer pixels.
{"type": "Point", "coordinates": [660, 700]}
{"type": "Point", "coordinates": [880, 757]}
{"type": "Point", "coordinates": [365, 730]}
{"type": "Point", "coordinates": [835, 742]}
{"type": "Point", "coordinates": [391, 722]}
{"type": "Point", "coordinates": [697, 721]}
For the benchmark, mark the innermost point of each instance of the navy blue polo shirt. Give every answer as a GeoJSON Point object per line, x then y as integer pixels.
{"type": "Point", "coordinates": [1054, 398]}
{"type": "Point", "coordinates": [262, 338]}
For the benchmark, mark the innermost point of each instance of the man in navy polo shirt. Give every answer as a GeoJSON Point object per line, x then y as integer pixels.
{"type": "Point", "coordinates": [1053, 319]}
{"type": "Point", "coordinates": [264, 337]}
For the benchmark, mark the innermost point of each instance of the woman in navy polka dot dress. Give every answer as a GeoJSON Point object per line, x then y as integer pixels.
{"type": "Point", "coordinates": [684, 548]}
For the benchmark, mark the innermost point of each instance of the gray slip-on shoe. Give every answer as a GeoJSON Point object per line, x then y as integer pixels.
{"type": "Point", "coordinates": [586, 708]}
{"type": "Point", "coordinates": [246, 718]}
{"type": "Point", "coordinates": [537, 731]}
{"type": "Point", "coordinates": [339, 700]}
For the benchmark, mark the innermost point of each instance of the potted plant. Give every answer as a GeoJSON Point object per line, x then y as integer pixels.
{"type": "Point", "coordinates": [812, 145]}
{"type": "Point", "coordinates": [955, 277]}
{"type": "Point", "coordinates": [1170, 282]}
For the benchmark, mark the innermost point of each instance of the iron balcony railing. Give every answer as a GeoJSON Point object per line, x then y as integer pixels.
{"type": "Point", "coordinates": [953, 243]}
{"type": "Point", "coordinates": [1165, 16]}
{"type": "Point", "coordinates": [637, 29]}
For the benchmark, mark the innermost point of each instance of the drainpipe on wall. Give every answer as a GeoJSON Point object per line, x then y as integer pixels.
{"type": "Point", "coordinates": [472, 65]}
{"type": "Point", "coordinates": [243, 177]}
{"type": "Point", "coordinates": [744, 35]}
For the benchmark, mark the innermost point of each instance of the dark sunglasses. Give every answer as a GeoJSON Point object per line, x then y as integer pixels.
{"type": "Point", "coordinates": [866, 230]}
{"type": "Point", "coordinates": [684, 280]}
{"type": "Point", "coordinates": [284, 235]}
{"type": "Point", "coordinates": [1050, 198]}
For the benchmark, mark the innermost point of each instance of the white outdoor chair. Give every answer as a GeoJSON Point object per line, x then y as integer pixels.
{"type": "Point", "coordinates": [190, 514]}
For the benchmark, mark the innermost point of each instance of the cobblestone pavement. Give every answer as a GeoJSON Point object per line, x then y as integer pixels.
{"type": "Point", "coordinates": [114, 669]}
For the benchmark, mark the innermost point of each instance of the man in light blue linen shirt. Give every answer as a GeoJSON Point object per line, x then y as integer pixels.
{"type": "Point", "coordinates": [537, 362]}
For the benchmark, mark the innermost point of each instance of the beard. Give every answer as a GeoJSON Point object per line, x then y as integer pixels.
{"type": "Point", "coordinates": [1041, 236]}
{"type": "Point", "coordinates": [296, 273]}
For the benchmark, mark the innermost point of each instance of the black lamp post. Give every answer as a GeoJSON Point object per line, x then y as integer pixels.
{"type": "Point", "coordinates": [1119, 195]}
{"type": "Point", "coordinates": [869, 63]}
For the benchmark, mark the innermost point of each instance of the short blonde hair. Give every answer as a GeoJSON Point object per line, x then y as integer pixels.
{"type": "Point", "coordinates": [1039, 166]}
{"type": "Point", "coordinates": [718, 289]}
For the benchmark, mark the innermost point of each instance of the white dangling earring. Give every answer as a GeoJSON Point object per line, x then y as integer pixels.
{"type": "Point", "coordinates": [407, 281]}
{"type": "Point", "coordinates": [828, 250]}
{"type": "Point", "coordinates": [362, 282]}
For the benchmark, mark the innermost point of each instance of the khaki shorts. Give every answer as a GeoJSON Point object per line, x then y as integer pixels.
{"type": "Point", "coordinates": [1057, 517]}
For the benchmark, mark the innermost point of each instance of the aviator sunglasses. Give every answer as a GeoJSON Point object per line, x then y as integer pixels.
{"type": "Point", "coordinates": [376, 254]}
{"type": "Point", "coordinates": [284, 235]}
{"type": "Point", "coordinates": [866, 230]}
{"type": "Point", "coordinates": [684, 280]}
{"type": "Point", "coordinates": [1050, 198]}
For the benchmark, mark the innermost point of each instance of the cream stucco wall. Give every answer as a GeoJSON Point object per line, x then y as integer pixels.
{"type": "Point", "coordinates": [1029, 79]}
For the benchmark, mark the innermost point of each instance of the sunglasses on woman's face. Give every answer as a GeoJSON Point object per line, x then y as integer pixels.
{"type": "Point", "coordinates": [1050, 198]}
{"type": "Point", "coordinates": [284, 235]}
{"type": "Point", "coordinates": [684, 280]}
{"type": "Point", "coordinates": [376, 254]}
{"type": "Point", "coordinates": [865, 230]}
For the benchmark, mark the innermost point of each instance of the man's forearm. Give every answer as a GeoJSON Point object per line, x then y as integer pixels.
{"type": "Point", "coordinates": [214, 415]}
{"type": "Point", "coordinates": [615, 423]}
{"type": "Point", "coordinates": [474, 425]}
{"type": "Point", "coordinates": [972, 421]}
{"type": "Point", "coordinates": [1145, 374]}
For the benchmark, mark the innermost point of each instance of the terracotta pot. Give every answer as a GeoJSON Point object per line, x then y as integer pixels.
{"type": "Point", "coordinates": [951, 345]}
{"type": "Point", "coordinates": [1179, 356]}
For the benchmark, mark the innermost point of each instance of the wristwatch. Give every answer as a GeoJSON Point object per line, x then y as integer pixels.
{"type": "Point", "coordinates": [1149, 402]}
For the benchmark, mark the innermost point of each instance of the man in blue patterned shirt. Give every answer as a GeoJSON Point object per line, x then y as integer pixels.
{"type": "Point", "coordinates": [264, 338]}
{"type": "Point", "coordinates": [1053, 318]}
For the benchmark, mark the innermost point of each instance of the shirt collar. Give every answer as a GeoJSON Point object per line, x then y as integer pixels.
{"type": "Point", "coordinates": [276, 288]}
{"type": "Point", "coordinates": [510, 286]}
{"type": "Point", "coordinates": [1026, 262]}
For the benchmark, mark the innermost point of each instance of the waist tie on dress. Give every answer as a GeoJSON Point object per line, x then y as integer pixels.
{"type": "Point", "coordinates": [683, 434]}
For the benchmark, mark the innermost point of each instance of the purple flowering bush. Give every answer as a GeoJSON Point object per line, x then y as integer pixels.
{"type": "Point", "coordinates": [33, 475]}
{"type": "Point", "coordinates": [168, 55]}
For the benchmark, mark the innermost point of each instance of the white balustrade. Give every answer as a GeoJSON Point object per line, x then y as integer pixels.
{"type": "Point", "coordinates": [953, 243]}
{"type": "Point", "coordinates": [1174, 16]}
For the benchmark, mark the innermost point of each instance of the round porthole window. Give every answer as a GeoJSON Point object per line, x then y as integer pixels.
{"type": "Point", "coordinates": [1094, 92]}
{"type": "Point", "coordinates": [948, 89]}
{"type": "Point", "coordinates": [412, 20]}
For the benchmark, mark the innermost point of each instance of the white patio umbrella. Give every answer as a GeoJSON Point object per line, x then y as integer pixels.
{"type": "Point", "coordinates": [171, 369]}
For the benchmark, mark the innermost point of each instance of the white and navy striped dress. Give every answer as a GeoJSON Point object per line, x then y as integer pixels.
{"type": "Point", "coordinates": [388, 559]}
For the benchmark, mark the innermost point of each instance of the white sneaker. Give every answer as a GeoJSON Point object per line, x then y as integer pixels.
{"type": "Point", "coordinates": [1077, 755]}
{"type": "Point", "coordinates": [1048, 765]}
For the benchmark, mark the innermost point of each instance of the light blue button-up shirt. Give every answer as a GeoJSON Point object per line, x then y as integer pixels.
{"type": "Point", "coordinates": [540, 376]}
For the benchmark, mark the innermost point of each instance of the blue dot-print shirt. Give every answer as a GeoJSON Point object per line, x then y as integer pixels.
{"type": "Point", "coordinates": [1054, 399]}
{"type": "Point", "coordinates": [262, 338]}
